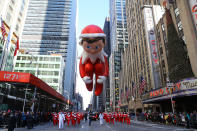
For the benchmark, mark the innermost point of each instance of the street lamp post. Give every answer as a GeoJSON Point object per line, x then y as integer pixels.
{"type": "Point", "coordinates": [25, 99]}
{"type": "Point", "coordinates": [36, 74]}
{"type": "Point", "coordinates": [169, 84]}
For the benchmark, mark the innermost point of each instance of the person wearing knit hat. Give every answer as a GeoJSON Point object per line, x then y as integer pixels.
{"type": "Point", "coordinates": [93, 59]}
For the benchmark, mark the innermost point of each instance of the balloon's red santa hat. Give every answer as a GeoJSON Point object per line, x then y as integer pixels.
{"type": "Point", "coordinates": [91, 31]}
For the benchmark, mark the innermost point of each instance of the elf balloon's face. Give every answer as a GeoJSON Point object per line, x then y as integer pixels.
{"type": "Point", "coordinates": [93, 45]}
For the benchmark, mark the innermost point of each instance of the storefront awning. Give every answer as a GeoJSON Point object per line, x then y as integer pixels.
{"type": "Point", "coordinates": [19, 77]}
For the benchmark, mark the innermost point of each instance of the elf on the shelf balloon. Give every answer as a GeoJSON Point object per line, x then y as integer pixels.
{"type": "Point", "coordinates": [93, 59]}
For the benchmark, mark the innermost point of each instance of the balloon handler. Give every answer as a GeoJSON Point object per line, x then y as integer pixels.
{"type": "Point", "coordinates": [93, 59]}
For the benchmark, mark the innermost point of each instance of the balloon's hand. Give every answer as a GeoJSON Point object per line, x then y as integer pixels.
{"type": "Point", "coordinates": [87, 79]}
{"type": "Point", "coordinates": [101, 79]}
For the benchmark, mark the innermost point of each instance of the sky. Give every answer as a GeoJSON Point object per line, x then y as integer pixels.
{"type": "Point", "coordinates": [89, 12]}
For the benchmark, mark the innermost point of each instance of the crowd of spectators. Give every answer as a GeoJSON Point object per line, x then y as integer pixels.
{"type": "Point", "coordinates": [186, 119]}
{"type": "Point", "coordinates": [17, 119]}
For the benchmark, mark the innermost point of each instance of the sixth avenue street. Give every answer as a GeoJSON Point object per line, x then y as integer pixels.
{"type": "Point", "coordinates": [95, 126]}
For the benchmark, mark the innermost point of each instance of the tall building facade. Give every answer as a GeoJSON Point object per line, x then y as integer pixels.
{"type": "Point", "coordinates": [50, 27]}
{"type": "Point", "coordinates": [107, 49]}
{"type": "Point", "coordinates": [172, 43]}
{"type": "Point", "coordinates": [13, 16]}
{"type": "Point", "coordinates": [119, 42]}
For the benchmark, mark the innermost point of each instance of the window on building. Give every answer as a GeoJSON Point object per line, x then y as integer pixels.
{"type": "Point", "coordinates": [46, 59]}
{"type": "Point", "coordinates": [28, 65]}
{"type": "Point", "coordinates": [34, 65]}
{"type": "Point", "coordinates": [45, 65]}
{"type": "Point", "coordinates": [57, 66]}
{"type": "Point", "coordinates": [13, 2]}
{"type": "Point", "coordinates": [54, 87]}
{"type": "Point", "coordinates": [8, 17]}
{"type": "Point", "coordinates": [17, 65]}
{"type": "Point", "coordinates": [52, 59]}
{"type": "Point", "coordinates": [10, 7]}
{"type": "Point", "coordinates": [23, 58]}
{"type": "Point", "coordinates": [19, 20]}
{"type": "Point", "coordinates": [51, 66]}
{"type": "Point", "coordinates": [22, 65]}
{"type": "Point", "coordinates": [176, 11]}
{"type": "Point", "coordinates": [162, 27]}
{"type": "Point", "coordinates": [17, 28]}
{"type": "Point", "coordinates": [39, 72]}
{"type": "Point", "coordinates": [183, 38]}
{"type": "Point", "coordinates": [180, 27]}
{"type": "Point", "coordinates": [40, 65]}
{"type": "Point", "coordinates": [41, 59]}
{"type": "Point", "coordinates": [18, 58]}
{"type": "Point", "coordinates": [49, 80]}
{"type": "Point", "coordinates": [44, 72]}
{"type": "Point", "coordinates": [56, 73]}
{"type": "Point", "coordinates": [55, 80]}
{"type": "Point", "coordinates": [57, 59]}
{"type": "Point", "coordinates": [50, 73]}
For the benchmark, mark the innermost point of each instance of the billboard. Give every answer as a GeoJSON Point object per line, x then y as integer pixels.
{"type": "Point", "coordinates": [193, 9]}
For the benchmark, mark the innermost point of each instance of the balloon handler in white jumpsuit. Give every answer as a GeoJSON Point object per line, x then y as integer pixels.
{"type": "Point", "coordinates": [61, 120]}
{"type": "Point", "coordinates": [101, 118]}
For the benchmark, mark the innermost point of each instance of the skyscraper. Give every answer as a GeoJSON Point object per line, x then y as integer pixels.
{"type": "Point", "coordinates": [119, 42]}
{"type": "Point", "coordinates": [50, 27]}
{"type": "Point", "coordinates": [107, 49]}
{"type": "Point", "coordinates": [13, 17]}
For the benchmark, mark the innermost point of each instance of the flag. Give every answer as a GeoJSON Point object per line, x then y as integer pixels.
{"type": "Point", "coordinates": [17, 47]}
{"type": "Point", "coordinates": [3, 29]}
{"type": "Point", "coordinates": [142, 84]}
{"type": "Point", "coordinates": [127, 92]}
{"type": "Point", "coordinates": [122, 94]}
{"type": "Point", "coordinates": [133, 88]}
{"type": "Point", "coordinates": [133, 85]}
{"type": "Point", "coordinates": [9, 38]}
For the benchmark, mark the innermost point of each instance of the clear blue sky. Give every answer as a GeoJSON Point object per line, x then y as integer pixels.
{"type": "Point", "coordinates": [89, 12]}
{"type": "Point", "coordinates": [92, 12]}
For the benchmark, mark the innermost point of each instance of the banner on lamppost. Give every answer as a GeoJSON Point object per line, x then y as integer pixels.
{"type": "Point", "coordinates": [149, 21]}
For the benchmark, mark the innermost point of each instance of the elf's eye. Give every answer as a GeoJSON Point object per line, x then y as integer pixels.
{"type": "Point", "coordinates": [88, 47]}
{"type": "Point", "coordinates": [97, 47]}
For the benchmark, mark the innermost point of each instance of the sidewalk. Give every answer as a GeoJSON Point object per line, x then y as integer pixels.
{"type": "Point", "coordinates": [40, 126]}
{"type": "Point", "coordinates": [145, 123]}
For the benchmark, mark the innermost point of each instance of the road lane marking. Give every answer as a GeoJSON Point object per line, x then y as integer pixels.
{"type": "Point", "coordinates": [110, 128]}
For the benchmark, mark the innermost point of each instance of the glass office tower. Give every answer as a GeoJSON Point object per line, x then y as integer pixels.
{"type": "Point", "coordinates": [119, 42]}
{"type": "Point", "coordinates": [50, 27]}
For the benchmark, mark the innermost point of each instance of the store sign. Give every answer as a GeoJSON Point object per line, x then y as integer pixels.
{"type": "Point", "coordinates": [180, 86]}
{"type": "Point", "coordinates": [193, 8]}
{"type": "Point", "coordinates": [165, 91]}
{"type": "Point", "coordinates": [14, 76]}
{"type": "Point", "coordinates": [189, 84]}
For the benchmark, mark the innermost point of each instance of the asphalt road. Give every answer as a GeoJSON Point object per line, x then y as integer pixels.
{"type": "Point", "coordinates": [95, 126]}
